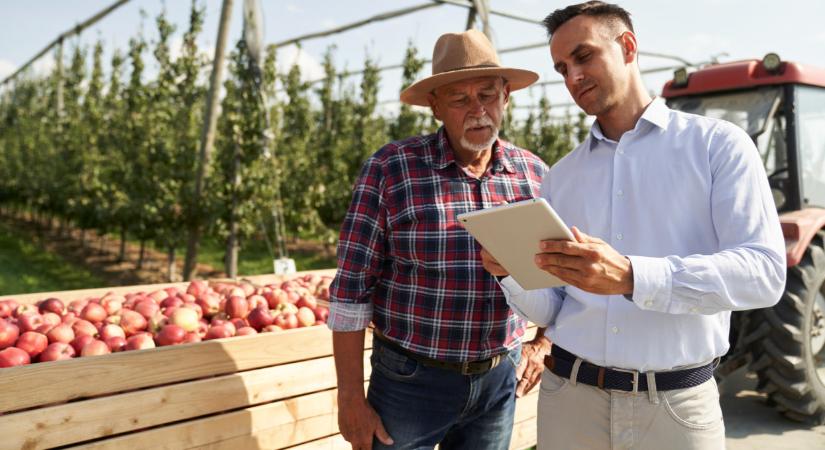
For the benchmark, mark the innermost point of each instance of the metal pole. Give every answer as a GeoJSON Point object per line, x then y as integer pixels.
{"type": "Point", "coordinates": [482, 8]}
{"type": "Point", "coordinates": [59, 81]}
{"type": "Point", "coordinates": [59, 40]}
{"type": "Point", "coordinates": [207, 140]}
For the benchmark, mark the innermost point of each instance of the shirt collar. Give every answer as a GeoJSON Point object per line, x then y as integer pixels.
{"type": "Point", "coordinates": [444, 155]}
{"type": "Point", "coordinates": [656, 114]}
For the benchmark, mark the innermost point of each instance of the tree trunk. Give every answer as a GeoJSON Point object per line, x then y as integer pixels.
{"type": "Point", "coordinates": [83, 238]}
{"type": "Point", "coordinates": [142, 253]}
{"type": "Point", "coordinates": [121, 255]}
{"type": "Point", "coordinates": [170, 263]}
{"type": "Point", "coordinates": [231, 259]}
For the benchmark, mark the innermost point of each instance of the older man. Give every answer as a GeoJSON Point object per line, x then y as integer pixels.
{"type": "Point", "coordinates": [446, 352]}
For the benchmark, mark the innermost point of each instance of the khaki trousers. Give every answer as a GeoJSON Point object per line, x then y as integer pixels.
{"type": "Point", "coordinates": [578, 416]}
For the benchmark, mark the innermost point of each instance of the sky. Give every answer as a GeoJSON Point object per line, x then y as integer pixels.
{"type": "Point", "coordinates": [696, 31]}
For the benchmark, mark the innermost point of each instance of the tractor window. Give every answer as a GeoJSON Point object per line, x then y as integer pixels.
{"type": "Point", "coordinates": [811, 143]}
{"type": "Point", "coordinates": [758, 111]}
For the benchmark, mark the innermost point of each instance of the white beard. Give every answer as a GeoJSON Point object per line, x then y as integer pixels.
{"type": "Point", "coordinates": [479, 147]}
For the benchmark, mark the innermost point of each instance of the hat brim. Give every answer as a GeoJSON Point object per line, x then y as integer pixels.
{"type": "Point", "coordinates": [417, 93]}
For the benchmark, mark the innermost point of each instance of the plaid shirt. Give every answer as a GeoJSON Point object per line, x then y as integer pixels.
{"type": "Point", "coordinates": [404, 261]}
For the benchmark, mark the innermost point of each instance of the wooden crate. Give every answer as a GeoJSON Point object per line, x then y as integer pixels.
{"type": "Point", "coordinates": [271, 390]}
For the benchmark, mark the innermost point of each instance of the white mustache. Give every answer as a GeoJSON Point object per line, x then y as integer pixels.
{"type": "Point", "coordinates": [483, 121]}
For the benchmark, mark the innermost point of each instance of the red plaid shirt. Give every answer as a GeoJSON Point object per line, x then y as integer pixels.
{"type": "Point", "coordinates": [407, 265]}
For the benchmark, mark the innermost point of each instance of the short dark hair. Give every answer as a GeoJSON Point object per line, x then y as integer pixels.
{"type": "Point", "coordinates": [607, 11]}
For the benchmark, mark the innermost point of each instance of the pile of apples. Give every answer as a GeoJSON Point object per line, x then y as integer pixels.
{"type": "Point", "coordinates": [52, 330]}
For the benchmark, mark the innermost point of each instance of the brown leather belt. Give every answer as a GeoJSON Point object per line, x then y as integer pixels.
{"type": "Point", "coordinates": [561, 362]}
{"type": "Point", "coordinates": [465, 368]}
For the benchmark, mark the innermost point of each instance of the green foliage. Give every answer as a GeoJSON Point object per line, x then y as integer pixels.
{"type": "Point", "coordinates": [123, 152]}
{"type": "Point", "coordinates": [26, 267]}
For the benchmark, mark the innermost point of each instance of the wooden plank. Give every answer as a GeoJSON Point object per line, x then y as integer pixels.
{"type": "Point", "coordinates": [524, 435]}
{"type": "Point", "coordinates": [335, 442]}
{"type": "Point", "coordinates": [75, 422]}
{"type": "Point", "coordinates": [67, 296]}
{"type": "Point", "coordinates": [294, 420]}
{"type": "Point", "coordinates": [60, 381]}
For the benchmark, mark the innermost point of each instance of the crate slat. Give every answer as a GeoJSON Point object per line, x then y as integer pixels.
{"type": "Point", "coordinates": [59, 381]}
{"type": "Point", "coordinates": [95, 418]}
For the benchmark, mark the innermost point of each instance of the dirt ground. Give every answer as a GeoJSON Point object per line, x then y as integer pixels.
{"type": "Point", "coordinates": [752, 425]}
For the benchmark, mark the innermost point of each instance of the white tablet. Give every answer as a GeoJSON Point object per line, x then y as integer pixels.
{"type": "Point", "coordinates": [512, 232]}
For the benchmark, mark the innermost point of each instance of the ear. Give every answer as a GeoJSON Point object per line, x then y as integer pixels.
{"type": "Point", "coordinates": [434, 106]}
{"type": "Point", "coordinates": [629, 45]}
{"type": "Point", "coordinates": [506, 94]}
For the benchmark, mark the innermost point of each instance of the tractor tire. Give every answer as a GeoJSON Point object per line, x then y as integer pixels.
{"type": "Point", "coordinates": [787, 341]}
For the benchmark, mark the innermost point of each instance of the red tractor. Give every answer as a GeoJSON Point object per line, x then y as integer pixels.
{"type": "Point", "coordinates": [782, 106]}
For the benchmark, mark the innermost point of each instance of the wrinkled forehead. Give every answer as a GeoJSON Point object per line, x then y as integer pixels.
{"type": "Point", "coordinates": [470, 84]}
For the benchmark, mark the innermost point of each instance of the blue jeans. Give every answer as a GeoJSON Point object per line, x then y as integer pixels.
{"type": "Point", "coordinates": [423, 406]}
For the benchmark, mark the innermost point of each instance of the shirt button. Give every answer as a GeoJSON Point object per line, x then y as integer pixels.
{"type": "Point", "coordinates": [619, 236]}
{"type": "Point", "coordinates": [694, 310]}
{"type": "Point", "coordinates": [620, 192]}
{"type": "Point", "coordinates": [620, 151]}
{"type": "Point", "coordinates": [615, 330]}
{"type": "Point", "coordinates": [648, 303]}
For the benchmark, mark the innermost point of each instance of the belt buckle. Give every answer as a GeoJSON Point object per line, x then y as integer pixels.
{"type": "Point", "coordinates": [467, 370]}
{"type": "Point", "coordinates": [635, 381]}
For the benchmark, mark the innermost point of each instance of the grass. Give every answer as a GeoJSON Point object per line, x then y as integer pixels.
{"type": "Point", "coordinates": [26, 267]}
{"type": "Point", "coordinates": [254, 257]}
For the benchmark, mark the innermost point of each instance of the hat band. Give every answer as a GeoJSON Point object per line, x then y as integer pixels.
{"type": "Point", "coordinates": [480, 66]}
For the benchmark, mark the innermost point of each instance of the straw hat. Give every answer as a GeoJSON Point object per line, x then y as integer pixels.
{"type": "Point", "coordinates": [458, 56]}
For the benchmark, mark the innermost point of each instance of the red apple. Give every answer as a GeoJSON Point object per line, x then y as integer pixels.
{"type": "Point", "coordinates": [157, 322]}
{"type": "Point", "coordinates": [259, 318]}
{"type": "Point", "coordinates": [257, 301]}
{"type": "Point", "coordinates": [170, 335]}
{"type": "Point", "coordinates": [25, 308]}
{"type": "Point", "coordinates": [80, 341]}
{"type": "Point", "coordinates": [93, 312]}
{"type": "Point", "coordinates": [192, 337]}
{"type": "Point", "coordinates": [140, 341]}
{"type": "Point", "coordinates": [321, 313]}
{"type": "Point", "coordinates": [29, 321]}
{"type": "Point", "coordinates": [112, 304]}
{"type": "Point", "coordinates": [132, 322]}
{"type": "Point", "coordinates": [209, 303]}
{"type": "Point", "coordinates": [171, 302]}
{"type": "Point", "coordinates": [61, 333]}
{"type": "Point", "coordinates": [307, 300]}
{"type": "Point", "coordinates": [9, 333]}
{"type": "Point", "coordinates": [116, 343]}
{"type": "Point", "coordinates": [14, 356]}
{"type": "Point", "coordinates": [197, 288]}
{"type": "Point", "coordinates": [84, 327]}
{"type": "Point", "coordinates": [147, 308]}
{"type": "Point", "coordinates": [306, 318]}
{"type": "Point", "coordinates": [158, 295]}
{"type": "Point", "coordinates": [94, 348]}
{"type": "Point", "coordinates": [76, 306]}
{"type": "Point", "coordinates": [220, 331]}
{"type": "Point", "coordinates": [239, 323]}
{"type": "Point", "coordinates": [271, 328]}
{"type": "Point", "coordinates": [57, 351]}
{"type": "Point", "coordinates": [53, 305]}
{"type": "Point", "coordinates": [286, 320]}
{"type": "Point", "coordinates": [237, 307]}
{"type": "Point", "coordinates": [6, 309]}
{"type": "Point", "coordinates": [194, 305]}
{"type": "Point", "coordinates": [32, 342]}
{"type": "Point", "coordinates": [246, 331]}
{"type": "Point", "coordinates": [51, 318]}
{"type": "Point", "coordinates": [111, 330]}
{"type": "Point", "coordinates": [186, 318]}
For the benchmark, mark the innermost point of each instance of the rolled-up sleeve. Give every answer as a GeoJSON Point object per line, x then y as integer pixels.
{"type": "Point", "coordinates": [360, 253]}
{"type": "Point", "coordinates": [540, 306]}
{"type": "Point", "coordinates": [749, 270]}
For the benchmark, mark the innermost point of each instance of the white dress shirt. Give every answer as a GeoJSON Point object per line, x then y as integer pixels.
{"type": "Point", "coordinates": [686, 199]}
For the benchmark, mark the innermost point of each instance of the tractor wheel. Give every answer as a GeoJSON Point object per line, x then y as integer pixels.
{"type": "Point", "coordinates": [787, 342]}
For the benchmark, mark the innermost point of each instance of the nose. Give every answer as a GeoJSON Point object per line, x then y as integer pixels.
{"type": "Point", "coordinates": [476, 107]}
